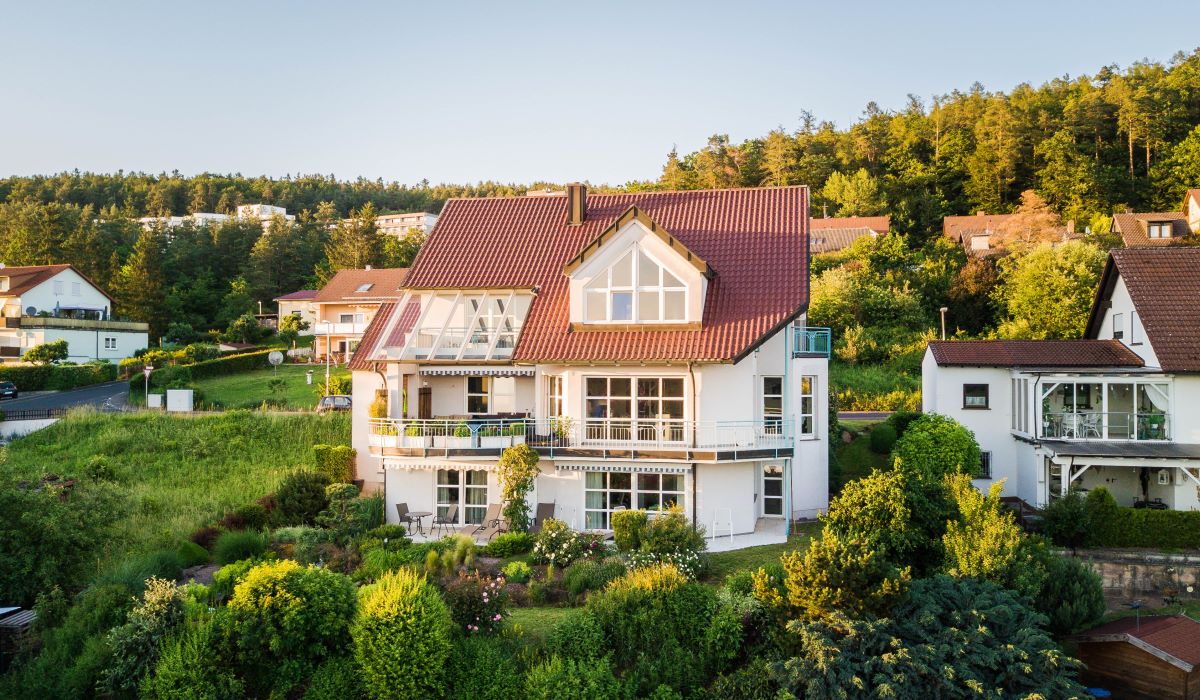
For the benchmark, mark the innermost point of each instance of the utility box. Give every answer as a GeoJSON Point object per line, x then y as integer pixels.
{"type": "Point", "coordinates": [154, 401]}
{"type": "Point", "coordinates": [179, 400]}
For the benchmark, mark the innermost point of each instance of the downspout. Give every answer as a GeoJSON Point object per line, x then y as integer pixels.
{"type": "Point", "coordinates": [790, 422]}
{"type": "Point", "coordinates": [376, 366]}
{"type": "Point", "coordinates": [695, 467]}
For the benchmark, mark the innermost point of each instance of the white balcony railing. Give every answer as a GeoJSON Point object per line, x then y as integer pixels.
{"type": "Point", "coordinates": [1097, 425]}
{"type": "Point", "coordinates": [560, 433]}
{"type": "Point", "coordinates": [331, 328]}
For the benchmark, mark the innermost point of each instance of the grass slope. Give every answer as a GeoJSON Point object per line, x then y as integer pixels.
{"type": "Point", "coordinates": [178, 472]}
{"type": "Point", "coordinates": [856, 458]}
{"type": "Point", "coordinates": [249, 389]}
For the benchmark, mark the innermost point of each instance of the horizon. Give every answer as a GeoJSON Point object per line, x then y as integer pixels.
{"type": "Point", "coordinates": [315, 102]}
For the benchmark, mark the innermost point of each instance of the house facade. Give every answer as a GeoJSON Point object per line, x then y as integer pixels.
{"type": "Point", "coordinates": [48, 303]}
{"type": "Point", "coordinates": [977, 233]}
{"type": "Point", "coordinates": [1119, 408]}
{"type": "Point", "coordinates": [301, 304]}
{"type": "Point", "coordinates": [400, 225]}
{"type": "Point", "coordinates": [346, 305]}
{"type": "Point", "coordinates": [650, 347]}
{"type": "Point", "coordinates": [1160, 228]}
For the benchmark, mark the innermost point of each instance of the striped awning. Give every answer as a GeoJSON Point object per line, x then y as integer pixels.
{"type": "Point", "coordinates": [625, 467]}
{"type": "Point", "coordinates": [478, 371]}
{"type": "Point", "coordinates": [436, 464]}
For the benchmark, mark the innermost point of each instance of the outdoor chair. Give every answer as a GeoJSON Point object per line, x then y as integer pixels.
{"type": "Point", "coordinates": [446, 522]}
{"type": "Point", "coordinates": [404, 517]}
{"type": "Point", "coordinates": [491, 525]}
{"type": "Point", "coordinates": [544, 512]}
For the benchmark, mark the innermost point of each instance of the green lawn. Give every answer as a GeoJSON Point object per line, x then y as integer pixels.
{"type": "Point", "coordinates": [536, 623]}
{"type": "Point", "coordinates": [856, 458]}
{"type": "Point", "coordinates": [178, 473]}
{"type": "Point", "coordinates": [250, 389]}
{"type": "Point", "coordinates": [725, 563]}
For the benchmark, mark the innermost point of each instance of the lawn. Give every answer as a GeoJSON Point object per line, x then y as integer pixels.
{"type": "Point", "coordinates": [855, 458]}
{"type": "Point", "coordinates": [178, 473]}
{"type": "Point", "coordinates": [725, 563]}
{"type": "Point", "coordinates": [250, 389]}
{"type": "Point", "coordinates": [536, 623]}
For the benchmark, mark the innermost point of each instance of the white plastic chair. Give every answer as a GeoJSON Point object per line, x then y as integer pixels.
{"type": "Point", "coordinates": [727, 520]}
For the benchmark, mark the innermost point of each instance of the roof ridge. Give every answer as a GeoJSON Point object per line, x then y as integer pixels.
{"type": "Point", "coordinates": [628, 194]}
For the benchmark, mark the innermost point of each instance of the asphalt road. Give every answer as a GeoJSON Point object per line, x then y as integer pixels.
{"type": "Point", "coordinates": [112, 395]}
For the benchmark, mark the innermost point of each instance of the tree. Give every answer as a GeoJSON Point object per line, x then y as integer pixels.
{"type": "Point", "coordinates": [1072, 595]}
{"type": "Point", "coordinates": [140, 285]}
{"type": "Point", "coordinates": [1033, 222]}
{"type": "Point", "coordinates": [517, 471]}
{"type": "Point", "coordinates": [985, 542]}
{"type": "Point", "coordinates": [934, 446]}
{"type": "Point", "coordinates": [290, 326]}
{"type": "Point", "coordinates": [400, 251]}
{"type": "Point", "coordinates": [47, 353]}
{"type": "Point", "coordinates": [1047, 293]}
{"type": "Point", "coordinates": [839, 575]}
{"type": "Point", "coordinates": [353, 244]}
{"type": "Point", "coordinates": [244, 329]}
{"type": "Point", "coordinates": [237, 302]}
{"type": "Point", "coordinates": [402, 637]}
{"type": "Point", "coordinates": [854, 195]}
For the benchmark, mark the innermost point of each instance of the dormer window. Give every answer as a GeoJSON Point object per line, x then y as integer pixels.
{"type": "Point", "coordinates": [635, 289]}
{"type": "Point", "coordinates": [365, 287]}
{"type": "Point", "coordinates": [1159, 229]}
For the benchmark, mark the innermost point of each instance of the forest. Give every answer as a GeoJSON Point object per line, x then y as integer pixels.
{"type": "Point", "coordinates": [1075, 148]}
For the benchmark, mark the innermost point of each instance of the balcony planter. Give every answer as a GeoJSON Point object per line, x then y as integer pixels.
{"type": "Point", "coordinates": [414, 438]}
{"type": "Point", "coordinates": [491, 439]}
{"type": "Point", "coordinates": [458, 438]}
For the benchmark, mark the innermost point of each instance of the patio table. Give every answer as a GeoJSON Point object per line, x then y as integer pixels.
{"type": "Point", "coordinates": [418, 514]}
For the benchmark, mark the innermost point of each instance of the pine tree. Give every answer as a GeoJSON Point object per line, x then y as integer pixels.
{"type": "Point", "coordinates": [354, 243]}
{"type": "Point", "coordinates": [140, 286]}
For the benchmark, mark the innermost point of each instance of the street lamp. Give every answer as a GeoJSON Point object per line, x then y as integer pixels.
{"type": "Point", "coordinates": [943, 310]}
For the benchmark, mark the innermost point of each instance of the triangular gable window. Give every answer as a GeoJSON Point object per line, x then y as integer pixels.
{"type": "Point", "coordinates": [658, 296]}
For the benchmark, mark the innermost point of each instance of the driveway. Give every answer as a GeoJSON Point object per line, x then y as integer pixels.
{"type": "Point", "coordinates": [112, 395]}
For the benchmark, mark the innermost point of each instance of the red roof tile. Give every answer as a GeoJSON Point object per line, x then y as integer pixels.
{"type": "Point", "coordinates": [301, 295]}
{"type": "Point", "coordinates": [1134, 230]}
{"type": "Point", "coordinates": [878, 224]}
{"type": "Point", "coordinates": [1175, 635]}
{"type": "Point", "coordinates": [1033, 353]}
{"type": "Point", "coordinates": [370, 337]}
{"type": "Point", "coordinates": [385, 284]}
{"type": "Point", "coordinates": [755, 240]}
{"type": "Point", "coordinates": [1164, 284]}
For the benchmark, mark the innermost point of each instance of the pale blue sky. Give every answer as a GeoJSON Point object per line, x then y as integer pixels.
{"type": "Point", "coordinates": [509, 91]}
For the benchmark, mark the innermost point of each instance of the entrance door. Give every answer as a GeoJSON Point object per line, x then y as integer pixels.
{"type": "Point", "coordinates": [772, 490]}
{"type": "Point", "coordinates": [425, 403]}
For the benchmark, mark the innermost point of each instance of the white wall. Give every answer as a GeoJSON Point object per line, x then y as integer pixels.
{"type": "Point", "coordinates": [44, 296]}
{"type": "Point", "coordinates": [810, 465]}
{"type": "Point", "coordinates": [1122, 304]}
{"type": "Point", "coordinates": [365, 384]}
{"type": "Point", "coordinates": [306, 309]}
{"type": "Point", "coordinates": [82, 345]}
{"type": "Point", "coordinates": [728, 485]}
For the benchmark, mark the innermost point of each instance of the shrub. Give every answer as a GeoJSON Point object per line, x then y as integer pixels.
{"type": "Point", "coordinates": [517, 571]}
{"type": "Point", "coordinates": [336, 462]}
{"type": "Point", "coordinates": [836, 574]}
{"type": "Point", "coordinates": [402, 637]}
{"type": "Point", "coordinates": [1072, 596]}
{"type": "Point", "coordinates": [135, 571]}
{"type": "Point", "coordinates": [557, 544]}
{"type": "Point", "coordinates": [517, 471]}
{"type": "Point", "coordinates": [377, 562]}
{"type": "Point", "coordinates": [226, 578]}
{"type": "Point", "coordinates": [751, 682]}
{"type": "Point", "coordinates": [390, 532]}
{"type": "Point", "coordinates": [206, 536]}
{"type": "Point", "coordinates": [477, 603]}
{"type": "Point", "coordinates": [584, 576]}
{"type": "Point", "coordinates": [509, 544]}
{"type": "Point", "coordinates": [627, 528]}
{"type": "Point", "coordinates": [1116, 526]}
{"type": "Point", "coordinates": [481, 669]}
{"type": "Point", "coordinates": [582, 679]}
{"type": "Point", "coordinates": [337, 678]}
{"type": "Point", "coordinates": [236, 546]}
{"type": "Point", "coordinates": [671, 532]}
{"type": "Point", "coordinates": [900, 420]}
{"type": "Point", "coordinates": [247, 517]}
{"type": "Point", "coordinates": [288, 618]}
{"type": "Point", "coordinates": [577, 636]}
{"type": "Point", "coordinates": [1065, 521]}
{"type": "Point", "coordinates": [936, 445]}
{"type": "Point", "coordinates": [187, 669]}
{"type": "Point", "coordinates": [191, 554]}
{"type": "Point", "coordinates": [301, 497]}
{"type": "Point", "coordinates": [135, 644]}
{"type": "Point", "coordinates": [883, 439]}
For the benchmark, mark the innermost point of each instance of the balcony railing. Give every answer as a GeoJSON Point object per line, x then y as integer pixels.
{"type": "Point", "coordinates": [554, 434]}
{"type": "Point", "coordinates": [1095, 425]}
{"type": "Point", "coordinates": [331, 328]}
{"type": "Point", "coordinates": [810, 340]}
{"type": "Point", "coordinates": [461, 343]}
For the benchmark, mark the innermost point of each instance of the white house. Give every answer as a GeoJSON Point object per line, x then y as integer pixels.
{"type": "Point", "coordinates": [401, 224]}
{"type": "Point", "coordinates": [651, 347]}
{"type": "Point", "coordinates": [301, 304]}
{"type": "Point", "coordinates": [1119, 408]}
{"type": "Point", "coordinates": [47, 303]}
{"type": "Point", "coordinates": [245, 212]}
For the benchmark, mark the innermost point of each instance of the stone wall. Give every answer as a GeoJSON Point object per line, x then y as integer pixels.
{"type": "Point", "coordinates": [1134, 573]}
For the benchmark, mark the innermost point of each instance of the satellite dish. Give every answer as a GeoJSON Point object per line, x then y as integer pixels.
{"type": "Point", "coordinates": [31, 311]}
{"type": "Point", "coordinates": [275, 358]}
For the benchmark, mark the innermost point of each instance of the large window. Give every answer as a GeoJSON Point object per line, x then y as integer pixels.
{"type": "Point", "coordinates": [554, 395]}
{"type": "Point", "coordinates": [606, 492]}
{"type": "Point", "coordinates": [635, 289]}
{"type": "Point", "coordinates": [628, 408]}
{"type": "Point", "coordinates": [491, 395]}
{"type": "Point", "coordinates": [465, 489]}
{"type": "Point", "coordinates": [772, 405]}
{"type": "Point", "coordinates": [1110, 410]}
{"type": "Point", "coordinates": [808, 406]}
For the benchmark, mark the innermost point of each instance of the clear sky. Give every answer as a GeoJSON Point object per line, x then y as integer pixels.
{"type": "Point", "coordinates": [513, 91]}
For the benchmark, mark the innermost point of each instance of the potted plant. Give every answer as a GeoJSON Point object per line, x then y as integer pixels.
{"type": "Point", "coordinates": [459, 437]}
{"type": "Point", "coordinates": [561, 429]}
{"type": "Point", "coordinates": [516, 433]}
{"type": "Point", "coordinates": [493, 437]}
{"type": "Point", "coordinates": [414, 436]}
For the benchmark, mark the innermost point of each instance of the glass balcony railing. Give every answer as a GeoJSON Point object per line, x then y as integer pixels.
{"type": "Point", "coordinates": [1096, 425]}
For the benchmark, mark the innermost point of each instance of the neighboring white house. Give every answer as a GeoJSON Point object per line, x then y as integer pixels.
{"type": "Point", "coordinates": [301, 304]}
{"type": "Point", "coordinates": [1119, 408]}
{"type": "Point", "coordinates": [47, 303]}
{"type": "Point", "coordinates": [651, 347]}
{"type": "Point", "coordinates": [245, 212]}
{"type": "Point", "coordinates": [347, 304]}
{"type": "Point", "coordinates": [401, 224]}
{"type": "Point", "coordinates": [1160, 228]}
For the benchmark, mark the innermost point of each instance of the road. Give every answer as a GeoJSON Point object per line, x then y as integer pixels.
{"type": "Point", "coordinates": [864, 415]}
{"type": "Point", "coordinates": [112, 394]}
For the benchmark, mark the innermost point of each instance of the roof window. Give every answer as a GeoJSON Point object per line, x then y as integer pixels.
{"type": "Point", "coordinates": [365, 287]}
{"type": "Point", "coordinates": [1159, 229]}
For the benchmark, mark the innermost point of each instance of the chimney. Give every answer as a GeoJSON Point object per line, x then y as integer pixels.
{"type": "Point", "coordinates": [576, 203]}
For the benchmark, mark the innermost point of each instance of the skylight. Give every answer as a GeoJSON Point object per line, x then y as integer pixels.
{"type": "Point", "coordinates": [365, 287]}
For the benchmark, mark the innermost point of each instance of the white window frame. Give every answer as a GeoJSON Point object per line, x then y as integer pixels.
{"type": "Point", "coordinates": [1136, 331]}
{"type": "Point", "coordinates": [461, 490]}
{"type": "Point", "coordinates": [554, 395]}
{"type": "Point", "coordinates": [59, 287]}
{"type": "Point", "coordinates": [657, 428]}
{"type": "Point", "coordinates": [110, 343]}
{"type": "Point", "coordinates": [494, 401]}
{"type": "Point", "coordinates": [776, 472]}
{"type": "Point", "coordinates": [1118, 326]}
{"type": "Point", "coordinates": [808, 406]}
{"type": "Point", "coordinates": [772, 417]}
{"type": "Point", "coordinates": [1158, 229]}
{"type": "Point", "coordinates": [643, 485]}
{"type": "Point", "coordinates": [351, 318]}
{"type": "Point", "coordinates": [640, 484]}
{"type": "Point", "coordinates": [635, 289]}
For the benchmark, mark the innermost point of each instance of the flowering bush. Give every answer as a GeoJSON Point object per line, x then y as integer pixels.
{"type": "Point", "coordinates": [557, 544]}
{"type": "Point", "coordinates": [688, 563]}
{"type": "Point", "coordinates": [477, 603]}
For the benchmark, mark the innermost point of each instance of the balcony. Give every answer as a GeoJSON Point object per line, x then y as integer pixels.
{"type": "Point", "coordinates": [82, 324]}
{"type": "Point", "coordinates": [565, 437]}
{"type": "Point", "coordinates": [810, 341]}
{"type": "Point", "coordinates": [1095, 425]}
{"type": "Point", "coordinates": [461, 344]}
{"type": "Point", "coordinates": [330, 328]}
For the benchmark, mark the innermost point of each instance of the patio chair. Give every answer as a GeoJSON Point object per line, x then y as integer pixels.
{"type": "Point", "coordinates": [490, 519]}
{"type": "Point", "coordinates": [496, 527]}
{"type": "Point", "coordinates": [404, 517]}
{"type": "Point", "coordinates": [449, 521]}
{"type": "Point", "coordinates": [544, 512]}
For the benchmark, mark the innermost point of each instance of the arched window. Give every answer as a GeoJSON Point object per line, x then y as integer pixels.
{"type": "Point", "coordinates": [635, 289]}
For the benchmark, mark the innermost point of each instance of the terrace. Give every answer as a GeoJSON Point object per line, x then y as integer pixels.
{"type": "Point", "coordinates": [1105, 410]}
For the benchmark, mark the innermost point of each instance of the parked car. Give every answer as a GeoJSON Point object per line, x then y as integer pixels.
{"type": "Point", "coordinates": [8, 390]}
{"type": "Point", "coordinates": [335, 402]}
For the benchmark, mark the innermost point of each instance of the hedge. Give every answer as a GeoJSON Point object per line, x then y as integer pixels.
{"type": "Point", "coordinates": [1112, 525]}
{"type": "Point", "coordinates": [50, 377]}
{"type": "Point", "coordinates": [231, 364]}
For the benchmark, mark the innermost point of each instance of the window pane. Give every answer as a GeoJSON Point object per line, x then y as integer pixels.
{"type": "Point", "coordinates": [621, 386]}
{"type": "Point", "coordinates": [670, 280]}
{"type": "Point", "coordinates": [477, 385]}
{"type": "Point", "coordinates": [596, 307]}
{"type": "Point", "coordinates": [594, 480]}
{"type": "Point", "coordinates": [447, 477]}
{"type": "Point", "coordinates": [648, 482]}
{"type": "Point", "coordinates": [477, 404]}
{"type": "Point", "coordinates": [672, 482]}
{"type": "Point", "coordinates": [648, 501]}
{"type": "Point", "coordinates": [595, 499]}
{"type": "Point", "coordinates": [447, 494]}
{"type": "Point", "coordinates": [622, 306]}
{"type": "Point", "coordinates": [622, 272]}
{"type": "Point", "coordinates": [773, 406]}
{"type": "Point", "coordinates": [476, 477]}
{"type": "Point", "coordinates": [647, 387]}
{"type": "Point", "coordinates": [477, 496]}
{"type": "Point", "coordinates": [773, 487]}
{"type": "Point", "coordinates": [648, 409]}
{"type": "Point", "coordinates": [673, 387]}
{"type": "Point", "coordinates": [772, 386]}
{"type": "Point", "coordinates": [600, 281]}
{"type": "Point", "coordinates": [505, 393]}
{"type": "Point", "coordinates": [674, 306]}
{"type": "Point", "coordinates": [647, 271]}
{"type": "Point", "coordinates": [620, 408]}
{"type": "Point", "coordinates": [648, 306]}
{"type": "Point", "coordinates": [620, 480]}
{"type": "Point", "coordinates": [672, 409]}
{"type": "Point", "coordinates": [594, 521]}
{"type": "Point", "coordinates": [597, 386]}
{"type": "Point", "coordinates": [597, 408]}
{"type": "Point", "coordinates": [806, 385]}
{"type": "Point", "coordinates": [620, 499]}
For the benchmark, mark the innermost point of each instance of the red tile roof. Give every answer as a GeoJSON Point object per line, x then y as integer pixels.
{"type": "Point", "coordinates": [21, 279]}
{"type": "Point", "coordinates": [370, 337]}
{"type": "Point", "coordinates": [755, 240]}
{"type": "Point", "coordinates": [1174, 635]}
{"type": "Point", "coordinates": [878, 224]}
{"type": "Point", "coordinates": [1134, 231]}
{"type": "Point", "coordinates": [385, 284]}
{"type": "Point", "coordinates": [1164, 284]}
{"type": "Point", "coordinates": [1033, 353]}
{"type": "Point", "coordinates": [301, 295]}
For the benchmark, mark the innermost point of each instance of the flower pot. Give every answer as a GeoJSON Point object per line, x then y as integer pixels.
{"type": "Point", "coordinates": [492, 442]}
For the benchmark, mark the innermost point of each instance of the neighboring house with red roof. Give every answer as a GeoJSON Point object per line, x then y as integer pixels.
{"type": "Point", "coordinates": [1155, 657]}
{"type": "Point", "coordinates": [302, 305]}
{"type": "Point", "coordinates": [651, 347]}
{"type": "Point", "coordinates": [831, 234]}
{"type": "Point", "coordinates": [1160, 228]}
{"type": "Point", "coordinates": [347, 304]}
{"type": "Point", "coordinates": [47, 303]}
{"type": "Point", "coordinates": [975, 232]}
{"type": "Point", "coordinates": [1119, 408]}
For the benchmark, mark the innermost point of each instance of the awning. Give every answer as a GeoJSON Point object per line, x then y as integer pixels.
{"type": "Point", "coordinates": [436, 464]}
{"type": "Point", "coordinates": [638, 468]}
{"type": "Point", "coordinates": [484, 371]}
